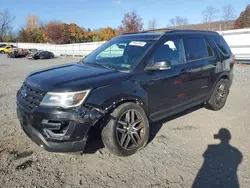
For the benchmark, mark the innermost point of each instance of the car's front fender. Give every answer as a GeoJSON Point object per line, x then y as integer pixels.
{"type": "Point", "coordinates": [108, 97]}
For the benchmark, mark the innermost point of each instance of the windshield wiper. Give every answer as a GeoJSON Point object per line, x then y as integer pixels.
{"type": "Point", "coordinates": [98, 64]}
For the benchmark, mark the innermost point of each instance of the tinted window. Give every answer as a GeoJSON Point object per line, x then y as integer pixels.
{"type": "Point", "coordinates": [209, 50]}
{"type": "Point", "coordinates": [171, 51]}
{"type": "Point", "coordinates": [223, 46]}
{"type": "Point", "coordinates": [195, 49]}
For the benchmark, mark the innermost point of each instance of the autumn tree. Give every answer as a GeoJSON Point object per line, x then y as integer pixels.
{"type": "Point", "coordinates": [76, 34]}
{"type": "Point", "coordinates": [32, 35]}
{"type": "Point", "coordinates": [33, 32]}
{"type": "Point", "coordinates": [56, 32]}
{"type": "Point", "coordinates": [244, 19]}
{"type": "Point", "coordinates": [178, 21]}
{"type": "Point", "coordinates": [108, 33]}
{"type": "Point", "coordinates": [5, 24]}
{"type": "Point", "coordinates": [209, 15]}
{"type": "Point", "coordinates": [131, 22]}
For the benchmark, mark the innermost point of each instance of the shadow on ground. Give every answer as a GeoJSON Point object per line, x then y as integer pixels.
{"type": "Point", "coordinates": [221, 161]}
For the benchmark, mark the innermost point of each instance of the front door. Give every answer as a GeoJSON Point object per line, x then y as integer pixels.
{"type": "Point", "coordinates": [166, 88]}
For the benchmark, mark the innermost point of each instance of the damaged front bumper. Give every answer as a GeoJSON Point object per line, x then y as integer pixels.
{"type": "Point", "coordinates": [58, 130]}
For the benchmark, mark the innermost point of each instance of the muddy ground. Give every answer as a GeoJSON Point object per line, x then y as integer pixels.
{"type": "Point", "coordinates": [172, 159]}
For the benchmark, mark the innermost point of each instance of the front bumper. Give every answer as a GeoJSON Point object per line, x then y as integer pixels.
{"type": "Point", "coordinates": [56, 130]}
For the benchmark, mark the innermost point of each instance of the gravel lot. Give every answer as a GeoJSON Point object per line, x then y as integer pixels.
{"type": "Point", "coordinates": [172, 159]}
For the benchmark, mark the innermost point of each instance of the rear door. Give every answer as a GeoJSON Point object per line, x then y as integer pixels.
{"type": "Point", "coordinates": [201, 63]}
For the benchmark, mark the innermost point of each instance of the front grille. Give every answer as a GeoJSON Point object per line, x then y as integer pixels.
{"type": "Point", "coordinates": [30, 97]}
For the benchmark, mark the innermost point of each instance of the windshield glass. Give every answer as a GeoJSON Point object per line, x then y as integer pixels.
{"type": "Point", "coordinates": [119, 54]}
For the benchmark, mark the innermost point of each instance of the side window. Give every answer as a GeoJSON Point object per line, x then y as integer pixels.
{"type": "Point", "coordinates": [209, 50]}
{"type": "Point", "coordinates": [116, 50]}
{"type": "Point", "coordinates": [222, 45]}
{"type": "Point", "coordinates": [195, 48]}
{"type": "Point", "coordinates": [171, 51]}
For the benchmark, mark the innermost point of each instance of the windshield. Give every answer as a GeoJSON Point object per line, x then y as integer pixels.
{"type": "Point", "coordinates": [119, 54]}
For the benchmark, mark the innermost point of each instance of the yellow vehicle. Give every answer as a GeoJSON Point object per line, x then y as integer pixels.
{"type": "Point", "coordinates": [5, 49]}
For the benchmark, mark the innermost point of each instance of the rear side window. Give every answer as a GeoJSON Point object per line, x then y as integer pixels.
{"type": "Point", "coordinates": [195, 48]}
{"type": "Point", "coordinates": [222, 45]}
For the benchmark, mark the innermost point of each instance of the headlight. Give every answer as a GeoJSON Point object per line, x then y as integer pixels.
{"type": "Point", "coordinates": [64, 100]}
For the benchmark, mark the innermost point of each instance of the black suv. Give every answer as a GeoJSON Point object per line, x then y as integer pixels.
{"type": "Point", "coordinates": [123, 86]}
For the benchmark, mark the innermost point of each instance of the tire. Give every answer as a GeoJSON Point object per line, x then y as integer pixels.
{"type": "Point", "coordinates": [118, 132]}
{"type": "Point", "coordinates": [1, 52]}
{"type": "Point", "coordinates": [219, 95]}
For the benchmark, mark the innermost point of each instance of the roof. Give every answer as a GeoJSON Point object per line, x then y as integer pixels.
{"type": "Point", "coordinates": [142, 35]}
{"type": "Point", "coordinates": [157, 33]}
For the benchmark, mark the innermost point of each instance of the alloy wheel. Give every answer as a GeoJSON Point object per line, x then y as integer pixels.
{"type": "Point", "coordinates": [130, 130]}
{"type": "Point", "coordinates": [221, 94]}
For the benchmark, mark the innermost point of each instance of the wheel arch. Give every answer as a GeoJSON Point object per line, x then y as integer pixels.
{"type": "Point", "coordinates": [224, 75]}
{"type": "Point", "coordinates": [107, 98]}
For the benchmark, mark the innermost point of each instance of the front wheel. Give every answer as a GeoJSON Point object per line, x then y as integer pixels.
{"type": "Point", "coordinates": [219, 95]}
{"type": "Point", "coordinates": [127, 130]}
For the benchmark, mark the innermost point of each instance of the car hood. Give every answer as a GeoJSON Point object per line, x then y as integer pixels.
{"type": "Point", "coordinates": [73, 77]}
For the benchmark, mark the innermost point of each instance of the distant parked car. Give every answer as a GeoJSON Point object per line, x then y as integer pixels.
{"type": "Point", "coordinates": [5, 49]}
{"type": "Point", "coordinates": [41, 55]}
{"type": "Point", "coordinates": [17, 53]}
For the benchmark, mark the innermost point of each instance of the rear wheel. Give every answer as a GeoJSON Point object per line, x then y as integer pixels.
{"type": "Point", "coordinates": [1, 52]}
{"type": "Point", "coordinates": [127, 130]}
{"type": "Point", "coordinates": [219, 96]}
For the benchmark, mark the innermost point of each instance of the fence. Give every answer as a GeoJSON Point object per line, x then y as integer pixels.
{"type": "Point", "coordinates": [238, 40]}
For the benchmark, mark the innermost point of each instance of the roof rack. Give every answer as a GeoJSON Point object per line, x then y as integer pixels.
{"type": "Point", "coordinates": [167, 30]}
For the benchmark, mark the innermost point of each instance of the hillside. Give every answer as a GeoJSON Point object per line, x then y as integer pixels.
{"type": "Point", "coordinates": [214, 26]}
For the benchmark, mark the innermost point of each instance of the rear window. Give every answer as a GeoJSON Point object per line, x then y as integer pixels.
{"type": "Point", "coordinates": [195, 48]}
{"type": "Point", "coordinates": [223, 46]}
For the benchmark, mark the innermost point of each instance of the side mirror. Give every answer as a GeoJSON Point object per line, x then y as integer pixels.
{"type": "Point", "coordinates": [162, 65]}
